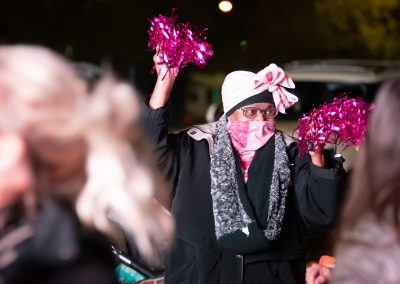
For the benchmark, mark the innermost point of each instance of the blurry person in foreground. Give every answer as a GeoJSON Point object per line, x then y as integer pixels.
{"type": "Point", "coordinates": [368, 247]}
{"type": "Point", "coordinates": [69, 162]}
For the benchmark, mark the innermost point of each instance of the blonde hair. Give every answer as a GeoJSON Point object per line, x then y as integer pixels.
{"type": "Point", "coordinates": [87, 148]}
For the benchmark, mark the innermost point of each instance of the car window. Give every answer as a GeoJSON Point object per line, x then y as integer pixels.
{"type": "Point", "coordinates": [313, 94]}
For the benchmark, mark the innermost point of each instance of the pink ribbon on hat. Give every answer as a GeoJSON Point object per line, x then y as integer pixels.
{"type": "Point", "coordinates": [274, 79]}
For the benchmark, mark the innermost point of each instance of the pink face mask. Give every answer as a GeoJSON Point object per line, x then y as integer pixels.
{"type": "Point", "coordinates": [249, 136]}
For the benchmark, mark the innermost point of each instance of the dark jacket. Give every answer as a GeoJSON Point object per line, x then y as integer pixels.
{"type": "Point", "coordinates": [184, 158]}
{"type": "Point", "coordinates": [54, 249]}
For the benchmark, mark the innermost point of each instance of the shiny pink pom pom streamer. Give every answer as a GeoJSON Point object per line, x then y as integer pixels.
{"type": "Point", "coordinates": [177, 44]}
{"type": "Point", "coordinates": [341, 122]}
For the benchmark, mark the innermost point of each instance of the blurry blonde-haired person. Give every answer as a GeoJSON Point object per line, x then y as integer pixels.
{"type": "Point", "coordinates": [69, 158]}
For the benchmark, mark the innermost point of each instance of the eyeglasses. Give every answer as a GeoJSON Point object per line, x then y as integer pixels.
{"type": "Point", "coordinates": [253, 112]}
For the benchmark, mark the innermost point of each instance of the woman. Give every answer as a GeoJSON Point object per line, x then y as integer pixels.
{"type": "Point", "coordinates": [368, 247]}
{"type": "Point", "coordinates": [72, 164]}
{"type": "Point", "coordinates": [244, 200]}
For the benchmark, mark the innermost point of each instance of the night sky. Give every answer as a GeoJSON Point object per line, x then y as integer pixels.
{"type": "Point", "coordinates": [254, 34]}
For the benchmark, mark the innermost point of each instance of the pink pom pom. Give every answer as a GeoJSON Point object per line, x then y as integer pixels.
{"type": "Point", "coordinates": [177, 44]}
{"type": "Point", "coordinates": [343, 121]}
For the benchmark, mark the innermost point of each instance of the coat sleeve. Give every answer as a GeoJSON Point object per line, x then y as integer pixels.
{"type": "Point", "coordinates": [318, 190]}
{"type": "Point", "coordinates": [165, 146]}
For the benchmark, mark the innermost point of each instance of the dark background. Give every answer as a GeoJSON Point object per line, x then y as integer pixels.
{"type": "Point", "coordinates": [254, 34]}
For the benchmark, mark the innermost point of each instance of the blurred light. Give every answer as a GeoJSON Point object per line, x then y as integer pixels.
{"type": "Point", "coordinates": [225, 6]}
{"type": "Point", "coordinates": [244, 44]}
{"type": "Point", "coordinates": [188, 119]}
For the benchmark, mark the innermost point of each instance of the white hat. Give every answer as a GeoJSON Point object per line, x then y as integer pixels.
{"type": "Point", "coordinates": [239, 86]}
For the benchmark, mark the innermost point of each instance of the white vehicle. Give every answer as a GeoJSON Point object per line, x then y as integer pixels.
{"type": "Point", "coordinates": [319, 81]}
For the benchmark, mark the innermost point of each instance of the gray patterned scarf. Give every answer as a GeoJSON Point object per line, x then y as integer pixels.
{"type": "Point", "coordinates": [229, 214]}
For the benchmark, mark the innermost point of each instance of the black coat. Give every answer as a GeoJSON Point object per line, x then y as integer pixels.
{"type": "Point", "coordinates": [184, 158]}
{"type": "Point", "coordinates": [54, 249]}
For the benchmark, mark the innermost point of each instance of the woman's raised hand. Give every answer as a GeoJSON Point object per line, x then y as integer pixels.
{"type": "Point", "coordinates": [165, 81]}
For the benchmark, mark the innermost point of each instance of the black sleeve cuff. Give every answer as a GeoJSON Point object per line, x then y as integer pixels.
{"type": "Point", "coordinates": [334, 166]}
{"type": "Point", "coordinates": [159, 114]}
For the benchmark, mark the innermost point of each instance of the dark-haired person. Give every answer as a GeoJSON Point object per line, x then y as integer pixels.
{"type": "Point", "coordinates": [243, 199]}
{"type": "Point", "coordinates": [368, 247]}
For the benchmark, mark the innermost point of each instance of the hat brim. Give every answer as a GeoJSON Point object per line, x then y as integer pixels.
{"type": "Point", "coordinates": [263, 97]}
